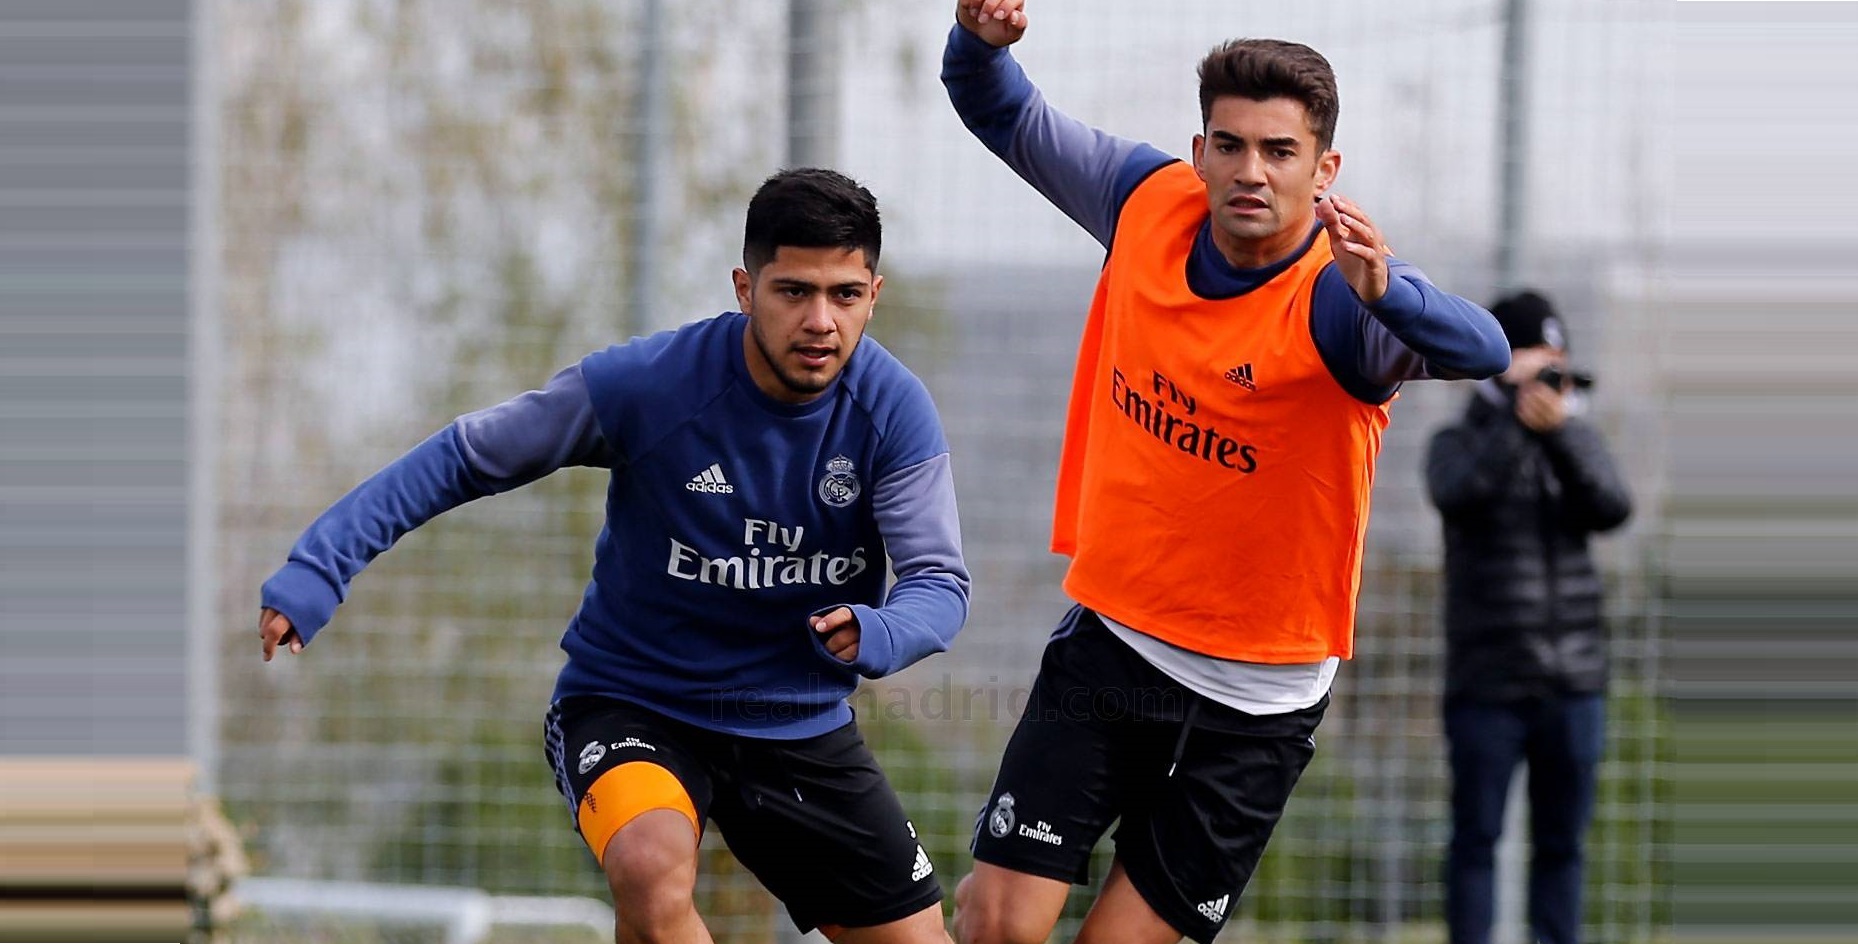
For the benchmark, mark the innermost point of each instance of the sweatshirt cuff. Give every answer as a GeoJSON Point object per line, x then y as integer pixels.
{"type": "Point", "coordinates": [1402, 303]}
{"type": "Point", "coordinates": [874, 648]}
{"type": "Point", "coordinates": [303, 596]}
{"type": "Point", "coordinates": [964, 46]}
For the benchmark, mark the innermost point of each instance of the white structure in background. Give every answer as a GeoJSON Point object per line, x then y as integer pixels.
{"type": "Point", "coordinates": [467, 914]}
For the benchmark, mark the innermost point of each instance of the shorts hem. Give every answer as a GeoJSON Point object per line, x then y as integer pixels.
{"type": "Point", "coordinates": [872, 918]}
{"type": "Point", "coordinates": [1163, 906]}
{"type": "Point", "coordinates": [1077, 876]}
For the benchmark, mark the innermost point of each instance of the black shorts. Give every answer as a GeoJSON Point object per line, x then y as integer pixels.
{"type": "Point", "coordinates": [813, 819]}
{"type": "Point", "coordinates": [1198, 785]}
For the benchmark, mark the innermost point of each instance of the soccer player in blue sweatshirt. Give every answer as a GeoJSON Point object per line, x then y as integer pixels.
{"type": "Point", "coordinates": [764, 464]}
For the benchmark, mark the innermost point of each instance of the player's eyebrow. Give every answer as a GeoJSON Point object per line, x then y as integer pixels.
{"type": "Point", "coordinates": [1227, 137]}
{"type": "Point", "coordinates": [791, 282]}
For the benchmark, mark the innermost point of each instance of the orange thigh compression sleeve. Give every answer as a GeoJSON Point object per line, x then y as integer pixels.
{"type": "Point", "coordinates": [626, 791]}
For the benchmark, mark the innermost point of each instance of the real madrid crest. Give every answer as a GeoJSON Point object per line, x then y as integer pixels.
{"type": "Point", "coordinates": [591, 754]}
{"type": "Point", "coordinates": [839, 486]}
{"type": "Point", "coordinates": [1000, 821]}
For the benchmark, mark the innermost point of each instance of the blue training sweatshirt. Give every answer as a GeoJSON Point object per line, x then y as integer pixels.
{"type": "Point", "coordinates": [731, 518]}
{"type": "Point", "coordinates": [1415, 331]}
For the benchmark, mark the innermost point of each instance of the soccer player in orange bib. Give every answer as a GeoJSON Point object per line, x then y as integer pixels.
{"type": "Point", "coordinates": [1249, 330]}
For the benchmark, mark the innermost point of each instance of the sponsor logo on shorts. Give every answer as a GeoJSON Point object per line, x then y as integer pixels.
{"type": "Point", "coordinates": [923, 869]}
{"type": "Point", "coordinates": [591, 754]}
{"type": "Point", "coordinates": [1041, 832]}
{"type": "Point", "coordinates": [1215, 910]}
{"type": "Point", "coordinates": [1000, 821]}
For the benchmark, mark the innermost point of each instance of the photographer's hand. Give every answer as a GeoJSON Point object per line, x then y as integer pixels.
{"type": "Point", "coordinates": [1541, 407]}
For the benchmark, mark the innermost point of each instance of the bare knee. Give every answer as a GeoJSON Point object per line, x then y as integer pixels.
{"type": "Point", "coordinates": [989, 912]}
{"type": "Point", "coordinates": [651, 869]}
{"type": "Point", "coordinates": [987, 922]}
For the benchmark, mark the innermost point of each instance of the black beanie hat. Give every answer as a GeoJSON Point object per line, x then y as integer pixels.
{"type": "Point", "coordinates": [1529, 320]}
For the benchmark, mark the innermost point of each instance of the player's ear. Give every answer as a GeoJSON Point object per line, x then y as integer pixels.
{"type": "Point", "coordinates": [1199, 150]}
{"type": "Point", "coordinates": [1328, 168]}
{"type": "Point", "coordinates": [744, 289]}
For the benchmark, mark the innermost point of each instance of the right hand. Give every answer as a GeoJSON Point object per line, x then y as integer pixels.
{"type": "Point", "coordinates": [997, 22]}
{"type": "Point", "coordinates": [1541, 408]}
{"type": "Point", "coordinates": [275, 629]}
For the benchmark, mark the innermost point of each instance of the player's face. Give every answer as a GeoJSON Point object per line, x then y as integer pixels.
{"type": "Point", "coordinates": [806, 310]}
{"type": "Point", "coordinates": [1262, 169]}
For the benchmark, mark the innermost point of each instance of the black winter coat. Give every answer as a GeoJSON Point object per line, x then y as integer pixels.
{"type": "Point", "coordinates": [1523, 608]}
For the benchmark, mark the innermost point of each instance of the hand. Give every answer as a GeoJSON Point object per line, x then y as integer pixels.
{"type": "Point", "coordinates": [1359, 250]}
{"type": "Point", "coordinates": [838, 631]}
{"type": "Point", "coordinates": [1526, 362]}
{"type": "Point", "coordinates": [1541, 407]}
{"type": "Point", "coordinates": [997, 22]}
{"type": "Point", "coordinates": [275, 629]}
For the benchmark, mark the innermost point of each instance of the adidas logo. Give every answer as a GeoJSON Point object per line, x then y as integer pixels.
{"type": "Point", "coordinates": [1215, 910]}
{"type": "Point", "coordinates": [923, 869]}
{"type": "Point", "coordinates": [710, 480]}
{"type": "Point", "coordinates": [1242, 375]}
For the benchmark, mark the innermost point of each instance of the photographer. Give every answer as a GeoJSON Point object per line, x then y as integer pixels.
{"type": "Point", "coordinates": [1521, 481]}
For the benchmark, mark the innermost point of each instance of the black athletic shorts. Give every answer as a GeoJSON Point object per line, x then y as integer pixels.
{"type": "Point", "coordinates": [1198, 785]}
{"type": "Point", "coordinates": [813, 819]}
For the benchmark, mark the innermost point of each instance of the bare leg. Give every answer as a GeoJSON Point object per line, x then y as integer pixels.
{"type": "Point", "coordinates": [1121, 916]}
{"type": "Point", "coordinates": [995, 905]}
{"type": "Point", "coordinates": [651, 868]}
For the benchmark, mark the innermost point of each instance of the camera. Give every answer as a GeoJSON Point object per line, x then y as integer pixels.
{"type": "Point", "coordinates": [1559, 378]}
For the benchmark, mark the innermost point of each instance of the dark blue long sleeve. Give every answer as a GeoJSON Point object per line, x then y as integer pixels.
{"type": "Point", "coordinates": [482, 453]}
{"type": "Point", "coordinates": [1415, 331]}
{"type": "Point", "coordinates": [1084, 172]}
{"type": "Point", "coordinates": [426, 482]}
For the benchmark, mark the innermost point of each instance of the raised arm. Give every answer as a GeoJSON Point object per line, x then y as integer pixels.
{"type": "Point", "coordinates": [1379, 322]}
{"type": "Point", "coordinates": [479, 454]}
{"type": "Point", "coordinates": [1417, 331]}
{"type": "Point", "coordinates": [1084, 172]}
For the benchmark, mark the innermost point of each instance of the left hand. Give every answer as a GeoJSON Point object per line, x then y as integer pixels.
{"type": "Point", "coordinates": [838, 631]}
{"type": "Point", "coordinates": [1541, 407]}
{"type": "Point", "coordinates": [1356, 243]}
{"type": "Point", "coordinates": [275, 631]}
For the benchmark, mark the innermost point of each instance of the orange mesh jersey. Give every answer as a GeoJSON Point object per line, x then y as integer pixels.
{"type": "Point", "coordinates": [1213, 488]}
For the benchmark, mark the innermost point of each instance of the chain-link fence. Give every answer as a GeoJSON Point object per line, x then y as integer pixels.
{"type": "Point", "coordinates": [429, 206]}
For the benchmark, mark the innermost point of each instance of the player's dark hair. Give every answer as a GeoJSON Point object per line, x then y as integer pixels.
{"type": "Point", "coordinates": [1263, 69]}
{"type": "Point", "coordinates": [810, 208]}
